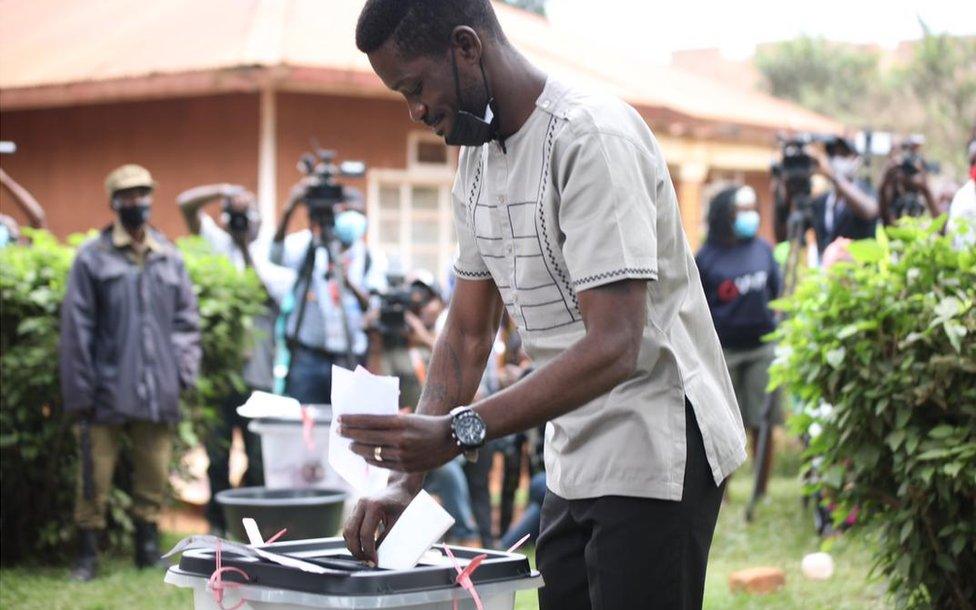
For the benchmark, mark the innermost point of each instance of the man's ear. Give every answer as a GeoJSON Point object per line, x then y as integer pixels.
{"type": "Point", "coordinates": [466, 44]}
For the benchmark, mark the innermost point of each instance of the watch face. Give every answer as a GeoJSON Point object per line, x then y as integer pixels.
{"type": "Point", "coordinates": [470, 430]}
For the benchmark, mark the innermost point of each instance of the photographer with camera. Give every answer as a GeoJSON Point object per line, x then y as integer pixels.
{"type": "Point", "coordinates": [324, 314]}
{"type": "Point", "coordinates": [849, 208]}
{"type": "Point", "coordinates": [235, 236]}
{"type": "Point", "coordinates": [402, 330]}
{"type": "Point", "coordinates": [905, 187]}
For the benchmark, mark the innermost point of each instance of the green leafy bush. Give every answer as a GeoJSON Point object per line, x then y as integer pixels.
{"type": "Point", "coordinates": [37, 446]}
{"type": "Point", "coordinates": [883, 353]}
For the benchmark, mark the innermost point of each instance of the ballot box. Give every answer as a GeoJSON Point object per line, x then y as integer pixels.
{"type": "Point", "coordinates": [343, 582]}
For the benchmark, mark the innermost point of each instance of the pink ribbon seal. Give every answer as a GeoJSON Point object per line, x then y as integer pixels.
{"type": "Point", "coordinates": [308, 423]}
{"type": "Point", "coordinates": [464, 576]}
{"type": "Point", "coordinates": [218, 586]}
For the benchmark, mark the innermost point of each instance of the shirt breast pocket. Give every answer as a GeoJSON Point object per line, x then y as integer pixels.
{"type": "Point", "coordinates": [110, 277]}
{"type": "Point", "coordinates": [164, 287]}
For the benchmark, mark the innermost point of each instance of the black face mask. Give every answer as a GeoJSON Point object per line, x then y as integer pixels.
{"type": "Point", "coordinates": [133, 217]}
{"type": "Point", "coordinates": [468, 129]}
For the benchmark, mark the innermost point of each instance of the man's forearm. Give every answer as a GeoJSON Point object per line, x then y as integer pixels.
{"type": "Point", "coordinates": [191, 200]}
{"type": "Point", "coordinates": [453, 377]}
{"type": "Point", "coordinates": [589, 368]}
{"type": "Point", "coordinates": [455, 371]}
{"type": "Point", "coordinates": [25, 201]}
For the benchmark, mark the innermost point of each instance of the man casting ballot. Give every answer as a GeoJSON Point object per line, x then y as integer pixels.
{"type": "Point", "coordinates": [566, 216]}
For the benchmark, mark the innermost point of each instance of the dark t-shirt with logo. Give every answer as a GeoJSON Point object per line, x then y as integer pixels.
{"type": "Point", "coordinates": [739, 282]}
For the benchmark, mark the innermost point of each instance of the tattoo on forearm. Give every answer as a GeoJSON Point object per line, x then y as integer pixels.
{"type": "Point", "coordinates": [445, 382]}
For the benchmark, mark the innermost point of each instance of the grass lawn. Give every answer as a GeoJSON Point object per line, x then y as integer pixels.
{"type": "Point", "coordinates": [780, 536]}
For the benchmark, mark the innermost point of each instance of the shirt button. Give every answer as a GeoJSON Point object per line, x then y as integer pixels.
{"type": "Point", "coordinates": [509, 248]}
{"type": "Point", "coordinates": [545, 103]}
{"type": "Point", "coordinates": [515, 299]}
{"type": "Point", "coordinates": [501, 199]}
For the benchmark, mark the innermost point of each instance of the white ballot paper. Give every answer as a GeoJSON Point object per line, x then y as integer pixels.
{"type": "Point", "coordinates": [420, 525]}
{"type": "Point", "coordinates": [263, 404]}
{"type": "Point", "coordinates": [359, 392]}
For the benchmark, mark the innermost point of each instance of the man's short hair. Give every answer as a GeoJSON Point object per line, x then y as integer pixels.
{"type": "Point", "coordinates": [422, 27]}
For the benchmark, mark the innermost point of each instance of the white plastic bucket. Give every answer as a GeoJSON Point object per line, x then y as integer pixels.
{"type": "Point", "coordinates": [289, 461]}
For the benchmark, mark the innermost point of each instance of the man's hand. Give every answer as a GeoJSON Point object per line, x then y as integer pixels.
{"type": "Point", "coordinates": [370, 513]}
{"type": "Point", "coordinates": [822, 164]}
{"type": "Point", "coordinates": [417, 333]}
{"type": "Point", "coordinates": [300, 189]}
{"type": "Point", "coordinates": [409, 443]}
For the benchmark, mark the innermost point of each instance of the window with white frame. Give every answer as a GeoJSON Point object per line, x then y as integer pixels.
{"type": "Point", "coordinates": [412, 222]}
{"type": "Point", "coordinates": [410, 210]}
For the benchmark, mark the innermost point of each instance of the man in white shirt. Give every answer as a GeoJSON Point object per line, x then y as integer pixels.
{"type": "Point", "coordinates": [566, 217]}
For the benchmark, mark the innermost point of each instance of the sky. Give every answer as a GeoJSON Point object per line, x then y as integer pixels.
{"type": "Point", "coordinates": [655, 28]}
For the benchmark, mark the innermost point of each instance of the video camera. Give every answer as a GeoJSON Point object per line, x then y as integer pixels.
{"type": "Point", "coordinates": [400, 298]}
{"type": "Point", "coordinates": [796, 166]}
{"type": "Point", "coordinates": [912, 161]}
{"type": "Point", "coordinates": [238, 222]}
{"type": "Point", "coordinates": [907, 200]}
{"type": "Point", "coordinates": [326, 193]}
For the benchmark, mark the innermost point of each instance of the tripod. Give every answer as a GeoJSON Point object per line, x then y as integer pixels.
{"type": "Point", "coordinates": [799, 221]}
{"type": "Point", "coordinates": [326, 240]}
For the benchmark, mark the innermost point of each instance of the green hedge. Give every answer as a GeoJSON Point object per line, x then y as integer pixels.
{"type": "Point", "coordinates": [37, 451]}
{"type": "Point", "coordinates": [883, 353]}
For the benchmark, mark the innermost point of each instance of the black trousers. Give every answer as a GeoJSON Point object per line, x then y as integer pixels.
{"type": "Point", "coordinates": [622, 553]}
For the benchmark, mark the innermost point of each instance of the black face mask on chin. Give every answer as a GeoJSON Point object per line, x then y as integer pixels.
{"type": "Point", "coordinates": [468, 129]}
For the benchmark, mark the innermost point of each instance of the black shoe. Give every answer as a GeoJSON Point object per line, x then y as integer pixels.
{"type": "Point", "coordinates": [147, 546]}
{"type": "Point", "coordinates": [86, 563]}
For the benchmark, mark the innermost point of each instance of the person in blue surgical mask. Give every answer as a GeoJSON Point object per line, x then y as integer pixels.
{"type": "Point", "coordinates": [316, 338]}
{"type": "Point", "coordinates": [740, 278]}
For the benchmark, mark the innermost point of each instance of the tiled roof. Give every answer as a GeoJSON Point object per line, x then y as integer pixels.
{"type": "Point", "coordinates": [84, 51]}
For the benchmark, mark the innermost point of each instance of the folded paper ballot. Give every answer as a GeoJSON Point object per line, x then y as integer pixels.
{"type": "Point", "coordinates": [355, 393]}
{"type": "Point", "coordinates": [420, 525]}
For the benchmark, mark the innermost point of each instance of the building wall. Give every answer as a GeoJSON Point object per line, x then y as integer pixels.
{"type": "Point", "coordinates": [64, 154]}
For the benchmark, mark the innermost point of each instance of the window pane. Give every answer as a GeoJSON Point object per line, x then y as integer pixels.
{"type": "Point", "coordinates": [389, 231]}
{"type": "Point", "coordinates": [390, 197]}
{"type": "Point", "coordinates": [426, 259]}
{"type": "Point", "coordinates": [424, 198]}
{"type": "Point", "coordinates": [425, 231]}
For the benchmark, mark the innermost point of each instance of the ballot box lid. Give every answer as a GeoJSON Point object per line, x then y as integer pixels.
{"type": "Point", "coordinates": [346, 576]}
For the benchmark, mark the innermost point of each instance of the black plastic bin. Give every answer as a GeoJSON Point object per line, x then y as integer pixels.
{"type": "Point", "coordinates": [306, 513]}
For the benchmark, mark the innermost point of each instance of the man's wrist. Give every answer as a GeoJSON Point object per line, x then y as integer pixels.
{"type": "Point", "coordinates": [468, 431]}
{"type": "Point", "coordinates": [410, 482]}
